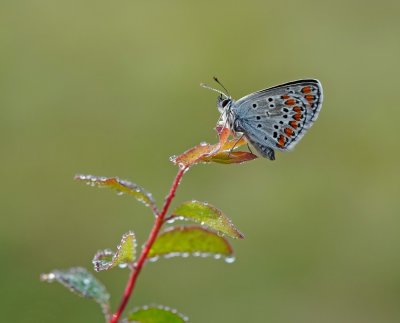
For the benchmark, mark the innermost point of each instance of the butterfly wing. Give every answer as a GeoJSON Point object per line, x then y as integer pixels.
{"type": "Point", "coordinates": [278, 117]}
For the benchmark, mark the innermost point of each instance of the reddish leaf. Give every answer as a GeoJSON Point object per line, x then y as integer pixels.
{"type": "Point", "coordinates": [219, 153]}
{"type": "Point", "coordinates": [227, 157]}
{"type": "Point", "coordinates": [192, 155]}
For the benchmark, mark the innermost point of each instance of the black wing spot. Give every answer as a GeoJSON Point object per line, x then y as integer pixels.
{"type": "Point", "coordinates": [259, 125]}
{"type": "Point", "coordinates": [258, 117]}
{"type": "Point", "coordinates": [254, 105]}
{"type": "Point", "coordinates": [276, 126]}
{"type": "Point", "coordinates": [270, 99]}
{"type": "Point", "coordinates": [275, 134]}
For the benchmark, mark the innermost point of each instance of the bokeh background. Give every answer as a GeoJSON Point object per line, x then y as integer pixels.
{"type": "Point", "coordinates": [112, 88]}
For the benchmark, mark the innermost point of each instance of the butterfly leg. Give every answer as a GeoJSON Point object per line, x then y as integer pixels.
{"type": "Point", "coordinates": [235, 144]}
{"type": "Point", "coordinates": [248, 146]}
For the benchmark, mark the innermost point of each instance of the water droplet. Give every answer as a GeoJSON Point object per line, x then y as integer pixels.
{"type": "Point", "coordinates": [203, 143]}
{"type": "Point", "coordinates": [154, 259]}
{"type": "Point", "coordinates": [173, 158]}
{"type": "Point", "coordinates": [230, 259]}
{"type": "Point", "coordinates": [123, 265]}
{"type": "Point", "coordinates": [217, 256]}
{"type": "Point", "coordinates": [50, 277]}
{"type": "Point", "coordinates": [119, 193]}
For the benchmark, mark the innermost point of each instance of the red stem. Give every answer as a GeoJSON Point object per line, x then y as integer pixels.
{"type": "Point", "coordinates": [143, 256]}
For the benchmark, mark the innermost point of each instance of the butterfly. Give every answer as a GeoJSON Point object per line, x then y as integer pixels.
{"type": "Point", "coordinates": [272, 119]}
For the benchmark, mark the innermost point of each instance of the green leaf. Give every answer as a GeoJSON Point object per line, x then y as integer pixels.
{"type": "Point", "coordinates": [208, 215]}
{"type": "Point", "coordinates": [81, 282]}
{"type": "Point", "coordinates": [125, 254]}
{"type": "Point", "coordinates": [122, 187]}
{"type": "Point", "coordinates": [160, 314]}
{"type": "Point", "coordinates": [190, 240]}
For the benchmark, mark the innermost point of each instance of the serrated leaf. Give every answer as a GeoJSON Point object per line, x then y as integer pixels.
{"type": "Point", "coordinates": [125, 254]}
{"type": "Point", "coordinates": [190, 240]}
{"type": "Point", "coordinates": [81, 282]}
{"type": "Point", "coordinates": [121, 186]}
{"type": "Point", "coordinates": [208, 215]}
{"type": "Point", "coordinates": [158, 314]}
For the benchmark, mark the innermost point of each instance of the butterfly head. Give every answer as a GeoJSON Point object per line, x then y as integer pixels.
{"type": "Point", "coordinates": [223, 103]}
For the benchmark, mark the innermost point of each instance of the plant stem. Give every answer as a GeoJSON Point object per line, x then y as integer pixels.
{"type": "Point", "coordinates": [146, 249]}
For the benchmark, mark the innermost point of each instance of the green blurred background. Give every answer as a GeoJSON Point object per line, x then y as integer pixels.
{"type": "Point", "coordinates": [112, 88]}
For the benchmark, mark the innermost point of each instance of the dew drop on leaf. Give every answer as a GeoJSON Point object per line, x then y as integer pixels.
{"type": "Point", "coordinates": [50, 277]}
{"type": "Point", "coordinates": [230, 260]}
{"type": "Point", "coordinates": [217, 256]}
{"type": "Point", "coordinates": [154, 258]}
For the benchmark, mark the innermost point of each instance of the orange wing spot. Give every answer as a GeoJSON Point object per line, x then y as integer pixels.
{"type": "Point", "coordinates": [281, 141]}
{"type": "Point", "coordinates": [306, 89]}
{"type": "Point", "coordinates": [297, 109]}
{"type": "Point", "coordinates": [285, 97]}
{"type": "Point", "coordinates": [289, 132]}
{"type": "Point", "coordinates": [293, 124]}
{"type": "Point", "coordinates": [290, 102]}
{"type": "Point", "coordinates": [297, 116]}
{"type": "Point", "coordinates": [310, 98]}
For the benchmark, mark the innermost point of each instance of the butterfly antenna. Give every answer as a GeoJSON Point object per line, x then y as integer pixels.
{"type": "Point", "coordinates": [206, 86]}
{"type": "Point", "coordinates": [220, 83]}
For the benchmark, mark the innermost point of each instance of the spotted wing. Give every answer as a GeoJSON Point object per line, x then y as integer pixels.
{"type": "Point", "coordinates": [278, 117]}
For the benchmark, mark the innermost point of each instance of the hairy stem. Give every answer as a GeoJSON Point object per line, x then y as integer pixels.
{"type": "Point", "coordinates": [146, 249]}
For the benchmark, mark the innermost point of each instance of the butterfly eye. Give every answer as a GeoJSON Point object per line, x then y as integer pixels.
{"type": "Point", "coordinates": [225, 102]}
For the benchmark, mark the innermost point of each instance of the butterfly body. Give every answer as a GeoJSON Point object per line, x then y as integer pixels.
{"type": "Point", "coordinates": [273, 118]}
